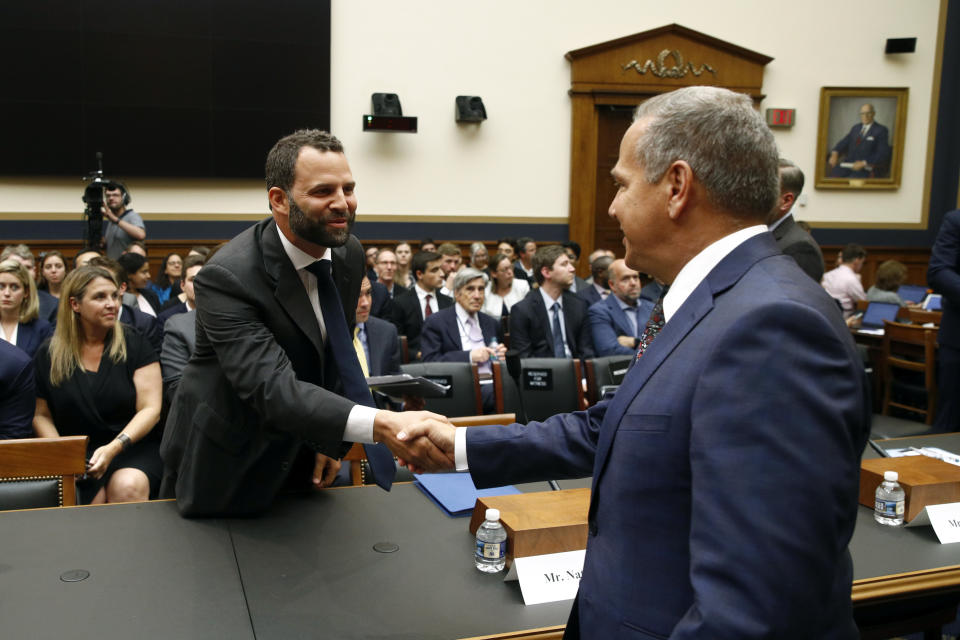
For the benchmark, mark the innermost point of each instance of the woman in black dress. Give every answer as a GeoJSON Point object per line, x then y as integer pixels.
{"type": "Point", "coordinates": [98, 378]}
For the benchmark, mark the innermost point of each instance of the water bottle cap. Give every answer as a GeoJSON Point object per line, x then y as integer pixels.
{"type": "Point", "coordinates": [891, 476]}
{"type": "Point", "coordinates": [493, 514]}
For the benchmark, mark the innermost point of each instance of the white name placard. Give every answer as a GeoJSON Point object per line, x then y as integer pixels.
{"type": "Point", "coordinates": [945, 519]}
{"type": "Point", "coordinates": [549, 578]}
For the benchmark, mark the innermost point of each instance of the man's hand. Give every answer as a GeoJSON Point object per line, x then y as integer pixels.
{"type": "Point", "coordinates": [325, 471]}
{"type": "Point", "coordinates": [110, 215]}
{"type": "Point", "coordinates": [859, 164]}
{"type": "Point", "coordinates": [834, 159]}
{"type": "Point", "coordinates": [627, 341]}
{"type": "Point", "coordinates": [441, 435]}
{"type": "Point", "coordinates": [417, 452]}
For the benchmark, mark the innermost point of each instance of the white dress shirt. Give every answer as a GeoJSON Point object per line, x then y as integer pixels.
{"type": "Point", "coordinates": [548, 301]}
{"type": "Point", "coordinates": [422, 297]}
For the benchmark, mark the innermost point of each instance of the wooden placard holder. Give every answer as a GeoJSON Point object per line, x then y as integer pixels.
{"type": "Point", "coordinates": [539, 523]}
{"type": "Point", "coordinates": [925, 480]}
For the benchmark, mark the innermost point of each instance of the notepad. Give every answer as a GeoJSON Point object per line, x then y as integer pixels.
{"type": "Point", "coordinates": [455, 493]}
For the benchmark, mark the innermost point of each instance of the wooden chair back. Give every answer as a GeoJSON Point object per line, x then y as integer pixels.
{"type": "Point", "coordinates": [28, 461]}
{"type": "Point", "coordinates": [910, 347]}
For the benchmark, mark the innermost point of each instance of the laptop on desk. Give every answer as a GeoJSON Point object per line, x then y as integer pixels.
{"type": "Point", "coordinates": [933, 302]}
{"type": "Point", "coordinates": [912, 293]}
{"type": "Point", "coordinates": [876, 313]}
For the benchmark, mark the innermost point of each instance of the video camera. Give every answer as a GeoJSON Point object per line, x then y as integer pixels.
{"type": "Point", "coordinates": [94, 202]}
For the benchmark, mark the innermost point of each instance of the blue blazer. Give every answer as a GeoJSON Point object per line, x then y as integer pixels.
{"type": "Point", "coordinates": [18, 392]}
{"type": "Point", "coordinates": [30, 335]}
{"type": "Point", "coordinates": [943, 276]}
{"type": "Point", "coordinates": [384, 345]}
{"type": "Point", "coordinates": [700, 476]}
{"type": "Point", "coordinates": [440, 340]}
{"type": "Point", "coordinates": [608, 320]}
{"type": "Point", "coordinates": [145, 324]}
{"type": "Point", "coordinates": [48, 306]}
{"type": "Point", "coordinates": [590, 295]}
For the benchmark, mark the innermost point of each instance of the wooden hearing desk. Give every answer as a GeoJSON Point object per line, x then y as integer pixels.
{"type": "Point", "coordinates": [308, 569]}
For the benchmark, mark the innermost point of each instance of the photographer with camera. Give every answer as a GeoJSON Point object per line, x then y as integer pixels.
{"type": "Point", "coordinates": [124, 225]}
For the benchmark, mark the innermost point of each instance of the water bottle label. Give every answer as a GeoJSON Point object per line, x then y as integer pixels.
{"type": "Point", "coordinates": [492, 550]}
{"type": "Point", "coordinates": [892, 508]}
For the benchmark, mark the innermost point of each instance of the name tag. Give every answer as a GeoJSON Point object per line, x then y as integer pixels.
{"type": "Point", "coordinates": [945, 519]}
{"type": "Point", "coordinates": [548, 578]}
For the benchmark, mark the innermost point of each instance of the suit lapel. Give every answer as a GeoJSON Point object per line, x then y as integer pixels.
{"type": "Point", "coordinates": [289, 290]}
{"type": "Point", "coordinates": [453, 332]}
{"type": "Point", "coordinates": [620, 316]}
{"type": "Point", "coordinates": [374, 366]}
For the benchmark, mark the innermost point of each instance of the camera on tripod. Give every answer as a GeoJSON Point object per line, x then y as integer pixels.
{"type": "Point", "coordinates": [93, 200]}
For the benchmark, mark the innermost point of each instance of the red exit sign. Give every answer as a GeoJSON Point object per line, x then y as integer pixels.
{"type": "Point", "coordinates": [781, 117]}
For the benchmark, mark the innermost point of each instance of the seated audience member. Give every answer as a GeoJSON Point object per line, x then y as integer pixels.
{"type": "Point", "coordinates": [596, 253]}
{"type": "Point", "coordinates": [523, 267]}
{"type": "Point", "coordinates": [138, 282]}
{"type": "Point", "coordinates": [20, 323]}
{"type": "Point", "coordinates": [167, 284]}
{"type": "Point", "coordinates": [137, 247]}
{"type": "Point", "coordinates": [53, 269]}
{"type": "Point", "coordinates": [84, 256]}
{"type": "Point", "coordinates": [386, 266]}
{"type": "Point", "coordinates": [18, 392]}
{"type": "Point", "coordinates": [599, 288]}
{"type": "Point", "coordinates": [617, 323]}
{"type": "Point", "coordinates": [148, 326]}
{"type": "Point", "coordinates": [479, 256]}
{"type": "Point", "coordinates": [427, 245]}
{"type": "Point", "coordinates": [451, 261]}
{"type": "Point", "coordinates": [179, 343]}
{"type": "Point", "coordinates": [551, 322]}
{"type": "Point", "coordinates": [573, 251]}
{"type": "Point", "coordinates": [371, 258]}
{"type": "Point", "coordinates": [504, 290]}
{"type": "Point", "coordinates": [203, 252]}
{"type": "Point", "coordinates": [890, 275]}
{"type": "Point", "coordinates": [843, 283]}
{"type": "Point", "coordinates": [462, 333]}
{"type": "Point", "coordinates": [377, 339]}
{"type": "Point", "coordinates": [97, 378]}
{"type": "Point", "coordinates": [404, 277]}
{"type": "Point", "coordinates": [184, 301]}
{"type": "Point", "coordinates": [505, 247]}
{"type": "Point", "coordinates": [47, 304]}
{"type": "Point", "coordinates": [413, 306]}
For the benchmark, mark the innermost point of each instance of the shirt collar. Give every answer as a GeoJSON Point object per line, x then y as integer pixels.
{"type": "Point", "coordinates": [463, 315]}
{"type": "Point", "coordinates": [300, 258]}
{"type": "Point", "coordinates": [624, 305]}
{"type": "Point", "coordinates": [548, 301]}
{"type": "Point", "coordinates": [694, 272]}
{"type": "Point", "coordinates": [423, 293]}
{"type": "Point", "coordinates": [781, 220]}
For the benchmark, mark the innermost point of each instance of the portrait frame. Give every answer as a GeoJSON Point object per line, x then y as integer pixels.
{"type": "Point", "coordinates": [872, 162]}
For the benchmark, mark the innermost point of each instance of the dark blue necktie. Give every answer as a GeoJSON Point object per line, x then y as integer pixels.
{"type": "Point", "coordinates": [339, 350]}
{"type": "Point", "coordinates": [558, 350]}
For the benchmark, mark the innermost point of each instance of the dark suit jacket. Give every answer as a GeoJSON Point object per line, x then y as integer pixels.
{"type": "Point", "coordinates": [518, 272]}
{"type": "Point", "coordinates": [590, 295]}
{"type": "Point", "coordinates": [48, 306]}
{"type": "Point", "coordinates": [384, 344]}
{"type": "Point", "coordinates": [440, 340]}
{"type": "Point", "coordinates": [170, 311]}
{"type": "Point", "coordinates": [608, 321]}
{"type": "Point", "coordinates": [580, 284]}
{"type": "Point", "coordinates": [153, 299]}
{"type": "Point", "coordinates": [874, 148]}
{"type": "Point", "coordinates": [148, 326]}
{"type": "Point", "coordinates": [943, 276]}
{"type": "Point", "coordinates": [30, 335]}
{"type": "Point", "coordinates": [530, 327]}
{"type": "Point", "coordinates": [408, 317]}
{"type": "Point", "coordinates": [179, 343]}
{"type": "Point", "coordinates": [381, 304]}
{"type": "Point", "coordinates": [254, 389]}
{"type": "Point", "coordinates": [800, 245]}
{"type": "Point", "coordinates": [693, 521]}
{"type": "Point", "coordinates": [18, 392]}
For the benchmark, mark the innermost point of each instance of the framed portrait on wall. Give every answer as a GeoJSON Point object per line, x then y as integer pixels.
{"type": "Point", "coordinates": [860, 137]}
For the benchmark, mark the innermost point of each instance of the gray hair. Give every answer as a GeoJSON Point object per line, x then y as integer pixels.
{"type": "Point", "coordinates": [724, 140]}
{"type": "Point", "coordinates": [466, 275]}
{"type": "Point", "coordinates": [476, 247]}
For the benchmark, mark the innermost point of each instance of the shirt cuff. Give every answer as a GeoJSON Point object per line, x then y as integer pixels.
{"type": "Point", "coordinates": [460, 449]}
{"type": "Point", "coordinates": [360, 424]}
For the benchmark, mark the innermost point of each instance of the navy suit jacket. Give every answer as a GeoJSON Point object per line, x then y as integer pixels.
{"type": "Point", "coordinates": [49, 304]}
{"type": "Point", "coordinates": [408, 317]}
{"type": "Point", "coordinates": [30, 335]}
{"type": "Point", "coordinates": [943, 276]}
{"type": "Point", "coordinates": [874, 149]}
{"type": "Point", "coordinates": [18, 392]}
{"type": "Point", "coordinates": [608, 320]}
{"type": "Point", "coordinates": [384, 345]}
{"type": "Point", "coordinates": [714, 513]}
{"type": "Point", "coordinates": [148, 326]}
{"type": "Point", "coordinates": [440, 340]}
{"type": "Point", "coordinates": [590, 295]}
{"type": "Point", "coordinates": [381, 304]}
{"type": "Point", "coordinates": [172, 310]}
{"type": "Point", "coordinates": [530, 327]}
{"type": "Point", "coordinates": [800, 245]}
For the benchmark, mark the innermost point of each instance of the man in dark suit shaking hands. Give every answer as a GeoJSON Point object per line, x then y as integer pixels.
{"type": "Point", "coordinates": [710, 515]}
{"type": "Point", "coordinates": [274, 367]}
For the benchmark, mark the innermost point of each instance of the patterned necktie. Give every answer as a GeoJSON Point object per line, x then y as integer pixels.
{"type": "Point", "coordinates": [339, 350]}
{"type": "Point", "coordinates": [558, 350]}
{"type": "Point", "coordinates": [654, 324]}
{"type": "Point", "coordinates": [359, 345]}
{"type": "Point", "coordinates": [426, 307]}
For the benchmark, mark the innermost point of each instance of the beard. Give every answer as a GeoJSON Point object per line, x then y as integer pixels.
{"type": "Point", "coordinates": [316, 231]}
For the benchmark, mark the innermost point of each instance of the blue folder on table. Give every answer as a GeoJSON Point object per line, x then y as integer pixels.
{"type": "Point", "coordinates": [455, 493]}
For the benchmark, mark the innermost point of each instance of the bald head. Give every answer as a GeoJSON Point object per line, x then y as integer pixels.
{"type": "Point", "coordinates": [624, 282]}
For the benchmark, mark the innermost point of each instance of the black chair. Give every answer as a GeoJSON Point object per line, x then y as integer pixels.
{"type": "Point", "coordinates": [39, 472]}
{"type": "Point", "coordinates": [549, 386]}
{"type": "Point", "coordinates": [463, 399]}
{"type": "Point", "coordinates": [603, 372]}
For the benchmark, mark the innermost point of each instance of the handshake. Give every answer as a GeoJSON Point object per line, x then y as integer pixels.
{"type": "Point", "coordinates": [422, 440]}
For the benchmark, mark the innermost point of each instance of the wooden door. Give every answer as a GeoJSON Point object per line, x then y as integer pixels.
{"type": "Point", "coordinates": [613, 122]}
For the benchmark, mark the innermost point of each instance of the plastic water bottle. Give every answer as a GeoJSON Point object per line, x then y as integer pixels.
{"type": "Point", "coordinates": [888, 508]}
{"type": "Point", "coordinates": [493, 345]}
{"type": "Point", "coordinates": [491, 551]}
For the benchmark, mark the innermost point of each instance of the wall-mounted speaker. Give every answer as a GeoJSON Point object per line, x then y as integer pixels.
{"type": "Point", "coordinates": [901, 45]}
{"type": "Point", "coordinates": [386, 104]}
{"type": "Point", "coordinates": [470, 109]}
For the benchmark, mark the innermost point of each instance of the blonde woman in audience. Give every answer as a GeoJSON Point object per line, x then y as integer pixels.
{"type": "Point", "coordinates": [53, 269]}
{"type": "Point", "coordinates": [503, 290]}
{"type": "Point", "coordinates": [97, 377]}
{"type": "Point", "coordinates": [403, 276]}
{"type": "Point", "coordinates": [20, 323]}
